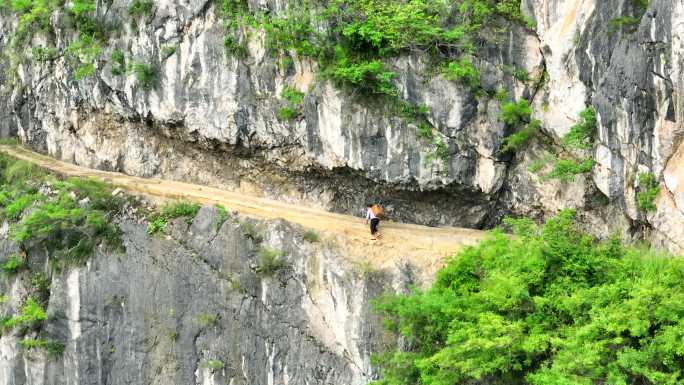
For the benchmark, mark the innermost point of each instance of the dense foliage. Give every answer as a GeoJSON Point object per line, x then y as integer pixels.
{"type": "Point", "coordinates": [648, 191]}
{"type": "Point", "coordinates": [173, 210]}
{"type": "Point", "coordinates": [581, 134]}
{"type": "Point", "coordinates": [66, 217]}
{"type": "Point", "coordinates": [549, 306]}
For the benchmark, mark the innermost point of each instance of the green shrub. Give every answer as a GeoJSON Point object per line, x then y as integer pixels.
{"type": "Point", "coordinates": [160, 218]}
{"type": "Point", "coordinates": [548, 306]}
{"type": "Point", "coordinates": [513, 113]}
{"type": "Point", "coordinates": [581, 134]}
{"type": "Point", "coordinates": [368, 77]}
{"type": "Point", "coordinates": [13, 264]}
{"type": "Point", "coordinates": [141, 8]}
{"type": "Point", "coordinates": [44, 54]}
{"type": "Point", "coordinates": [288, 113]}
{"type": "Point", "coordinates": [214, 364]}
{"type": "Point", "coordinates": [251, 232]}
{"type": "Point", "coordinates": [82, 53]}
{"type": "Point", "coordinates": [65, 229]}
{"type": "Point", "coordinates": [566, 170]}
{"type": "Point", "coordinates": [270, 261]}
{"type": "Point", "coordinates": [515, 141]}
{"type": "Point", "coordinates": [311, 236]}
{"type": "Point", "coordinates": [518, 73]}
{"type": "Point", "coordinates": [54, 348]}
{"type": "Point", "coordinates": [222, 215]}
{"type": "Point", "coordinates": [157, 225]}
{"type": "Point", "coordinates": [207, 320]}
{"type": "Point", "coordinates": [146, 75]}
{"type": "Point", "coordinates": [294, 101]}
{"type": "Point", "coordinates": [57, 222]}
{"type": "Point", "coordinates": [30, 316]}
{"type": "Point", "coordinates": [118, 63]}
{"type": "Point", "coordinates": [41, 286]}
{"type": "Point", "coordinates": [10, 141]}
{"type": "Point", "coordinates": [99, 193]}
{"type": "Point", "coordinates": [233, 47]}
{"type": "Point", "coordinates": [292, 95]}
{"type": "Point", "coordinates": [15, 208]}
{"type": "Point", "coordinates": [628, 24]}
{"type": "Point", "coordinates": [20, 171]}
{"type": "Point", "coordinates": [425, 132]}
{"type": "Point", "coordinates": [464, 71]}
{"type": "Point", "coordinates": [167, 51]}
{"type": "Point", "coordinates": [648, 191]}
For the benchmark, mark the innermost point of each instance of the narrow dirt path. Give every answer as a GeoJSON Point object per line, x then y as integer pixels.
{"type": "Point", "coordinates": [421, 245]}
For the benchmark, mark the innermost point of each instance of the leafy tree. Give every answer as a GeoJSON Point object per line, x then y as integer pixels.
{"type": "Point", "coordinates": [550, 305]}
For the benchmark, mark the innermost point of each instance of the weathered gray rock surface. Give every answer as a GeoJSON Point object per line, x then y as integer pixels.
{"type": "Point", "coordinates": [161, 312]}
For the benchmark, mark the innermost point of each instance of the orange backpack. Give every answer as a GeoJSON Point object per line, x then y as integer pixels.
{"type": "Point", "coordinates": [377, 210]}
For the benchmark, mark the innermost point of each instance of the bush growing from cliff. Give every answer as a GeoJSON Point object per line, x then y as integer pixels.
{"type": "Point", "coordinates": [145, 74]}
{"type": "Point", "coordinates": [68, 222]}
{"type": "Point", "coordinates": [118, 63]}
{"type": "Point", "coordinates": [581, 134]}
{"type": "Point", "coordinates": [648, 191]}
{"type": "Point", "coordinates": [518, 139]}
{"type": "Point", "coordinates": [464, 71]}
{"type": "Point", "coordinates": [53, 348]}
{"type": "Point", "coordinates": [549, 306]}
{"type": "Point", "coordinates": [311, 236]}
{"type": "Point", "coordinates": [13, 264]}
{"type": "Point", "coordinates": [513, 113]}
{"type": "Point", "coordinates": [141, 8]}
{"type": "Point", "coordinates": [167, 51]}
{"type": "Point", "coordinates": [270, 261]}
{"type": "Point", "coordinates": [30, 316]}
{"type": "Point", "coordinates": [160, 218]}
{"type": "Point", "coordinates": [221, 217]}
{"type": "Point", "coordinates": [566, 169]}
{"type": "Point", "coordinates": [368, 77]}
{"type": "Point", "coordinates": [294, 99]}
{"type": "Point", "coordinates": [214, 365]}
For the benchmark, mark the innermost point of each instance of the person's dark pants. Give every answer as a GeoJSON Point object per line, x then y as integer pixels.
{"type": "Point", "coordinates": [374, 225]}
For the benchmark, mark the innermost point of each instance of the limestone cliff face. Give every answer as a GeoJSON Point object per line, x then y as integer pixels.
{"type": "Point", "coordinates": [213, 118]}
{"type": "Point", "coordinates": [190, 309]}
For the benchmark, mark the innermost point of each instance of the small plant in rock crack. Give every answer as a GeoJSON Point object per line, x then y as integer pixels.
{"type": "Point", "coordinates": [214, 365]}
{"type": "Point", "coordinates": [167, 51]}
{"type": "Point", "coordinates": [173, 335]}
{"type": "Point", "coordinates": [294, 101]}
{"type": "Point", "coordinates": [53, 348]}
{"type": "Point", "coordinates": [13, 264]}
{"type": "Point", "coordinates": [648, 191]}
{"type": "Point", "coordinates": [581, 134]}
{"type": "Point", "coordinates": [159, 219]}
{"type": "Point", "coordinates": [311, 236]}
{"type": "Point", "coordinates": [30, 316]}
{"type": "Point", "coordinates": [251, 232]}
{"type": "Point", "coordinates": [221, 217]}
{"type": "Point", "coordinates": [207, 320]}
{"type": "Point", "coordinates": [41, 284]}
{"type": "Point", "coordinates": [270, 261]}
{"type": "Point", "coordinates": [146, 75]}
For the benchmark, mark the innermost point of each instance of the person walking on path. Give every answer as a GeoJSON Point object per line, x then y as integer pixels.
{"type": "Point", "coordinates": [372, 212]}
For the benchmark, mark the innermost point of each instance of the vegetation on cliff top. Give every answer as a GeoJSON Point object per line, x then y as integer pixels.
{"type": "Point", "coordinates": [66, 217]}
{"type": "Point", "coordinates": [550, 306]}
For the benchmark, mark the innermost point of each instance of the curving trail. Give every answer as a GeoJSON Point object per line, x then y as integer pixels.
{"type": "Point", "coordinates": [420, 245]}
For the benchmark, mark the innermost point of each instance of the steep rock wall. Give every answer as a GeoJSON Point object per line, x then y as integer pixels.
{"type": "Point", "coordinates": [172, 307]}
